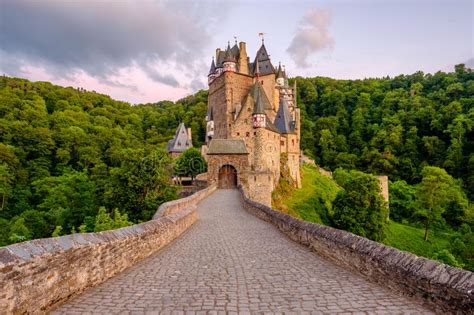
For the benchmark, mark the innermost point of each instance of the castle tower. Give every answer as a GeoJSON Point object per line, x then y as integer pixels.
{"type": "Point", "coordinates": [252, 122]}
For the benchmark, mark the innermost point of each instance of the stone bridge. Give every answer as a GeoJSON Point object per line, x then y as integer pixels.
{"type": "Point", "coordinates": [231, 261]}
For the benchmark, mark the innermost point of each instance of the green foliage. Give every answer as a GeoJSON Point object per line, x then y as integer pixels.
{"type": "Point", "coordinates": [104, 221]}
{"type": "Point", "coordinates": [392, 126]}
{"type": "Point", "coordinates": [434, 194]}
{"type": "Point", "coordinates": [57, 231]}
{"type": "Point", "coordinates": [18, 231]}
{"type": "Point", "coordinates": [446, 257]}
{"type": "Point", "coordinates": [64, 152]}
{"type": "Point", "coordinates": [313, 201]}
{"type": "Point", "coordinates": [190, 163]}
{"type": "Point", "coordinates": [359, 208]}
{"type": "Point", "coordinates": [402, 200]}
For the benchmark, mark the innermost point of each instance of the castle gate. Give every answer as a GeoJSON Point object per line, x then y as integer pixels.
{"type": "Point", "coordinates": [227, 177]}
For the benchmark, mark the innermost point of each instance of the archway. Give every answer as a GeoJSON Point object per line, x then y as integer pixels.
{"type": "Point", "coordinates": [227, 177]}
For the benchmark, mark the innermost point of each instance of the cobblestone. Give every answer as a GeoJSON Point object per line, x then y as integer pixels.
{"type": "Point", "coordinates": [230, 261]}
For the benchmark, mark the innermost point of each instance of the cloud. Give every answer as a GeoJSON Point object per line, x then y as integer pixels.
{"type": "Point", "coordinates": [469, 63]}
{"type": "Point", "coordinates": [101, 38]}
{"type": "Point", "coordinates": [312, 35]}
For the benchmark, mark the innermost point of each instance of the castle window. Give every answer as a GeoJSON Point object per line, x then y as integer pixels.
{"type": "Point", "coordinates": [247, 134]}
{"type": "Point", "coordinates": [254, 133]}
{"type": "Point", "coordinates": [293, 142]}
{"type": "Point", "coordinates": [230, 125]}
{"type": "Point", "coordinates": [238, 133]}
{"type": "Point", "coordinates": [282, 142]}
{"type": "Point", "coordinates": [255, 178]}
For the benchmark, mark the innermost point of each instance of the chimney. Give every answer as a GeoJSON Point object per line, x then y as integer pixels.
{"type": "Point", "coordinates": [243, 59]}
{"type": "Point", "coordinates": [190, 136]}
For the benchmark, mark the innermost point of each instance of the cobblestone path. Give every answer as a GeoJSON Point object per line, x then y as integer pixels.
{"type": "Point", "coordinates": [230, 261]}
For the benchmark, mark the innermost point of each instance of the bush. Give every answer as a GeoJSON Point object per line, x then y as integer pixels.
{"type": "Point", "coordinates": [359, 208]}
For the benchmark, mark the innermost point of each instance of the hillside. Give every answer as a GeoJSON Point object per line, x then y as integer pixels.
{"type": "Point", "coordinates": [314, 201]}
{"type": "Point", "coordinates": [392, 126]}
{"type": "Point", "coordinates": [65, 152]}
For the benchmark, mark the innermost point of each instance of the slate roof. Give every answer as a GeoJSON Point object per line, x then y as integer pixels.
{"type": "Point", "coordinates": [180, 141]}
{"type": "Point", "coordinates": [280, 73]}
{"type": "Point", "coordinates": [227, 146]}
{"type": "Point", "coordinates": [229, 56]}
{"type": "Point", "coordinates": [258, 108]}
{"type": "Point", "coordinates": [264, 64]}
{"type": "Point", "coordinates": [256, 90]}
{"type": "Point", "coordinates": [235, 51]}
{"type": "Point", "coordinates": [270, 126]}
{"type": "Point", "coordinates": [220, 59]}
{"type": "Point", "coordinates": [283, 121]}
{"type": "Point", "coordinates": [213, 67]}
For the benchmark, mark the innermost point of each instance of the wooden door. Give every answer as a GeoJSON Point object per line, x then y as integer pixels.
{"type": "Point", "coordinates": [227, 177]}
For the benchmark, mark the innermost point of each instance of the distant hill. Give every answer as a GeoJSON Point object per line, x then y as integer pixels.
{"type": "Point", "coordinates": [392, 126]}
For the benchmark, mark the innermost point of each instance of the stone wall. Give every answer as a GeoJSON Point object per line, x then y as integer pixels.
{"type": "Point", "coordinates": [37, 275]}
{"type": "Point", "coordinates": [442, 287]}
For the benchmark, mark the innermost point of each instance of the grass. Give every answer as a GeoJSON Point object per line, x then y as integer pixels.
{"type": "Point", "coordinates": [313, 202]}
{"type": "Point", "coordinates": [410, 239]}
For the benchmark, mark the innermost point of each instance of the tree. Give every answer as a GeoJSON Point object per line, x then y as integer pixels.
{"type": "Point", "coordinates": [432, 195]}
{"type": "Point", "coordinates": [104, 221]}
{"type": "Point", "coordinates": [190, 163]}
{"type": "Point", "coordinates": [18, 231]}
{"type": "Point", "coordinates": [402, 200]}
{"type": "Point", "coordinates": [140, 184]}
{"type": "Point", "coordinates": [359, 208]}
{"type": "Point", "coordinates": [6, 180]}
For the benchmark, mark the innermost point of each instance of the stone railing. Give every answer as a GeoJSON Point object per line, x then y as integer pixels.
{"type": "Point", "coordinates": [441, 287]}
{"type": "Point", "coordinates": [39, 274]}
{"type": "Point", "coordinates": [171, 207]}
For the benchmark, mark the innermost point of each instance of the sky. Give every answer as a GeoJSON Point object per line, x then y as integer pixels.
{"type": "Point", "coordinates": [143, 51]}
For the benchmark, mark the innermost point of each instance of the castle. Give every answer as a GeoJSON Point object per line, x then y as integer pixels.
{"type": "Point", "coordinates": [253, 124]}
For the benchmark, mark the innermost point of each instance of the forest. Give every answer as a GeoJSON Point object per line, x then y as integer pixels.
{"type": "Point", "coordinates": [77, 161]}
{"type": "Point", "coordinates": [419, 130]}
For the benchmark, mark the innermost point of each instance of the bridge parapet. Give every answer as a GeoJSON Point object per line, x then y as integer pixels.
{"type": "Point", "coordinates": [442, 287]}
{"type": "Point", "coordinates": [39, 274]}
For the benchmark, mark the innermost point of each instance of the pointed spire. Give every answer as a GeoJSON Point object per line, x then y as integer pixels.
{"type": "Point", "coordinates": [213, 67]}
{"type": "Point", "coordinates": [229, 57]}
{"type": "Point", "coordinates": [283, 118]}
{"type": "Point", "coordinates": [256, 69]}
{"type": "Point", "coordinates": [279, 71]}
{"type": "Point", "coordinates": [258, 107]}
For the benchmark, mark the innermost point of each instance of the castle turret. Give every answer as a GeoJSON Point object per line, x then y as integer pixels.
{"type": "Point", "coordinates": [212, 72]}
{"type": "Point", "coordinates": [229, 60]}
{"type": "Point", "coordinates": [258, 115]}
{"type": "Point", "coordinates": [280, 78]}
